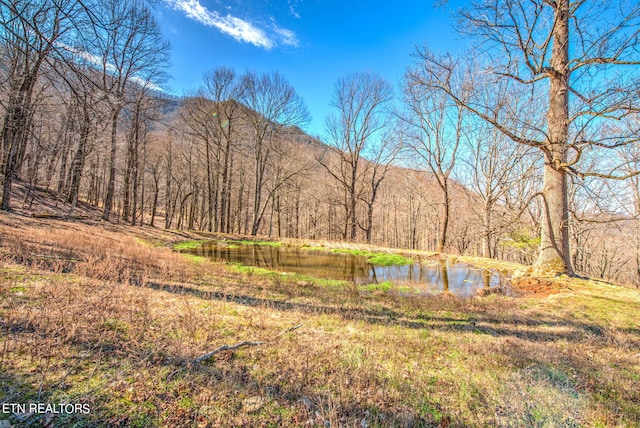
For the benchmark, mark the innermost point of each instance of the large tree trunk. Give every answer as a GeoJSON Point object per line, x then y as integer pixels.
{"type": "Point", "coordinates": [135, 179]}
{"type": "Point", "coordinates": [78, 162]}
{"type": "Point", "coordinates": [132, 148]}
{"type": "Point", "coordinates": [9, 173]}
{"type": "Point", "coordinates": [224, 222]}
{"type": "Point", "coordinates": [487, 232]}
{"type": "Point", "coordinates": [555, 256]}
{"type": "Point", "coordinates": [228, 223]}
{"type": "Point", "coordinates": [108, 200]}
{"type": "Point", "coordinates": [207, 149]}
{"type": "Point", "coordinates": [257, 192]}
{"type": "Point", "coordinates": [369, 222]}
{"type": "Point", "coordinates": [444, 231]}
{"type": "Point", "coordinates": [353, 223]}
{"type": "Point", "coordinates": [14, 133]}
{"type": "Point", "coordinates": [27, 61]}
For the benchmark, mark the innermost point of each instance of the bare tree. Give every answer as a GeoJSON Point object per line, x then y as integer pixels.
{"type": "Point", "coordinates": [359, 100]}
{"type": "Point", "coordinates": [381, 157]}
{"type": "Point", "coordinates": [633, 157]}
{"type": "Point", "coordinates": [275, 105]}
{"type": "Point", "coordinates": [29, 31]}
{"type": "Point", "coordinates": [41, 135]}
{"type": "Point", "coordinates": [142, 111]}
{"type": "Point", "coordinates": [494, 166]}
{"type": "Point", "coordinates": [198, 116]}
{"type": "Point", "coordinates": [581, 58]}
{"type": "Point", "coordinates": [437, 126]}
{"type": "Point", "coordinates": [154, 167]}
{"type": "Point", "coordinates": [84, 101]}
{"type": "Point", "coordinates": [214, 116]}
{"type": "Point", "coordinates": [131, 50]}
{"type": "Point", "coordinates": [224, 87]}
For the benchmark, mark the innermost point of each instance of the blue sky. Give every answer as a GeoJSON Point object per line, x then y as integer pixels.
{"type": "Point", "coordinates": [312, 43]}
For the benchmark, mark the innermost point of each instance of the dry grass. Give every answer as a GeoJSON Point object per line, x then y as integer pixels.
{"type": "Point", "coordinates": [111, 317]}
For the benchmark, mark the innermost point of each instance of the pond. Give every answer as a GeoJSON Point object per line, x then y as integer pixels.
{"type": "Point", "coordinates": [427, 277]}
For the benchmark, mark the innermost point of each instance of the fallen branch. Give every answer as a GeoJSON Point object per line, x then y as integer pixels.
{"type": "Point", "coordinates": [295, 327]}
{"type": "Point", "coordinates": [244, 344]}
{"type": "Point", "coordinates": [241, 345]}
{"type": "Point", "coordinates": [225, 348]}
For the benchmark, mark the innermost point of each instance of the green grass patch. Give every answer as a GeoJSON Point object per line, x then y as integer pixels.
{"type": "Point", "coordinates": [389, 260]}
{"type": "Point", "coordinates": [147, 243]}
{"type": "Point", "coordinates": [252, 270]}
{"type": "Point", "coordinates": [313, 248]}
{"type": "Point", "coordinates": [382, 259]}
{"type": "Point", "coordinates": [188, 245]}
{"type": "Point", "coordinates": [262, 243]}
{"type": "Point", "coordinates": [383, 287]}
{"type": "Point", "coordinates": [290, 278]}
{"type": "Point", "coordinates": [353, 252]}
{"type": "Point", "coordinates": [115, 325]}
{"type": "Point", "coordinates": [321, 282]}
{"type": "Point", "coordinates": [195, 259]}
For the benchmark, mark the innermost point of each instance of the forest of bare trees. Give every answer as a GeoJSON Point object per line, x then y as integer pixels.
{"type": "Point", "coordinates": [525, 150]}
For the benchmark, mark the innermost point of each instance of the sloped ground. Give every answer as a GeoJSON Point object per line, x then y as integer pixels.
{"type": "Point", "coordinates": [111, 317]}
{"type": "Point", "coordinates": [42, 203]}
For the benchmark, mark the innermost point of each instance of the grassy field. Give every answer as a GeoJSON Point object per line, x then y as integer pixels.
{"type": "Point", "coordinates": [114, 318]}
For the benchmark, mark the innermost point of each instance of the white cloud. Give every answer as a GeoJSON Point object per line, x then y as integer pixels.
{"type": "Point", "coordinates": [292, 8]}
{"type": "Point", "coordinates": [235, 27]}
{"type": "Point", "coordinates": [287, 37]}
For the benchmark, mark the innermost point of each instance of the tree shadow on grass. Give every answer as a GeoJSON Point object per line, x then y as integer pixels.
{"type": "Point", "coordinates": [547, 328]}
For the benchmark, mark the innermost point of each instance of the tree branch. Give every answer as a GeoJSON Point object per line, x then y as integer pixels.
{"type": "Point", "coordinates": [208, 355]}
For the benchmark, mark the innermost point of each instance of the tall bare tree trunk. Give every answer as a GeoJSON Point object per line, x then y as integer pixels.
{"type": "Point", "coordinates": [444, 231]}
{"type": "Point", "coordinates": [554, 253]}
{"type": "Point", "coordinates": [30, 44]}
{"type": "Point", "coordinates": [108, 199]}
{"type": "Point", "coordinates": [167, 185]}
{"type": "Point", "coordinates": [486, 234]}
{"type": "Point", "coordinates": [353, 221]}
{"type": "Point", "coordinates": [207, 149]}
{"type": "Point", "coordinates": [14, 133]}
{"type": "Point", "coordinates": [79, 160]}
{"type": "Point", "coordinates": [260, 166]}
{"type": "Point", "coordinates": [132, 148]}
{"type": "Point", "coordinates": [224, 221]}
{"type": "Point", "coordinates": [135, 179]}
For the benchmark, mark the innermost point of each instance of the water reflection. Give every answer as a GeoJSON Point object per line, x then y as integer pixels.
{"type": "Point", "coordinates": [459, 279]}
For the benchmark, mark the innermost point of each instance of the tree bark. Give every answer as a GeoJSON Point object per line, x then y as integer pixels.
{"type": "Point", "coordinates": [555, 256]}
{"type": "Point", "coordinates": [353, 222]}
{"type": "Point", "coordinates": [108, 200]}
{"type": "Point", "coordinates": [444, 231]}
{"type": "Point", "coordinates": [79, 160]}
{"type": "Point", "coordinates": [14, 132]}
{"type": "Point", "coordinates": [210, 202]}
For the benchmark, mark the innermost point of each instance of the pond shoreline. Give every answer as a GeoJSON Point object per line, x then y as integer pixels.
{"type": "Point", "coordinates": [372, 270]}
